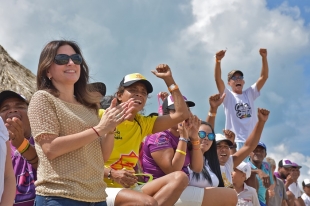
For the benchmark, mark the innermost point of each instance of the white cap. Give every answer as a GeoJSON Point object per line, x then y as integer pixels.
{"type": "Point", "coordinates": [219, 137]}
{"type": "Point", "coordinates": [306, 182]}
{"type": "Point", "coordinates": [245, 168]}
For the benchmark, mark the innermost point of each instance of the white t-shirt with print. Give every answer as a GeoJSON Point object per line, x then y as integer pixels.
{"type": "Point", "coordinates": [241, 115]}
{"type": "Point", "coordinates": [226, 171]}
{"type": "Point", "coordinates": [202, 182]}
{"type": "Point", "coordinates": [4, 137]}
{"type": "Point", "coordinates": [306, 199]}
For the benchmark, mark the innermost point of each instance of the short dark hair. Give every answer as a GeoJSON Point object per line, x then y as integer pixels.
{"type": "Point", "coordinates": [98, 87]}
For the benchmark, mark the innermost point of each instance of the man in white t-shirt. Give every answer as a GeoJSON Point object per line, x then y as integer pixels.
{"type": "Point", "coordinates": [239, 104]}
{"type": "Point", "coordinates": [294, 187]}
{"type": "Point", "coordinates": [306, 188]}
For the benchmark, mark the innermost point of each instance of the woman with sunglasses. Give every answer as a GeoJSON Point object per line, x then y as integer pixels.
{"type": "Point", "coordinates": [206, 186]}
{"type": "Point", "coordinates": [71, 141]}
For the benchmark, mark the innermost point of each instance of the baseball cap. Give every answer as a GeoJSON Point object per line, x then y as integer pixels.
{"type": "Point", "coordinates": [98, 87]}
{"type": "Point", "coordinates": [130, 79]}
{"type": "Point", "coordinates": [285, 163]}
{"type": "Point", "coordinates": [306, 183]}
{"type": "Point", "coordinates": [169, 103]}
{"type": "Point", "coordinates": [233, 72]}
{"type": "Point", "coordinates": [262, 145]}
{"type": "Point", "coordinates": [219, 137]}
{"type": "Point", "coordinates": [10, 94]}
{"type": "Point", "coordinates": [296, 165]}
{"type": "Point", "coordinates": [245, 168]}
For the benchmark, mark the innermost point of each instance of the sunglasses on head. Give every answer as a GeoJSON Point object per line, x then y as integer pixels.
{"type": "Point", "coordinates": [203, 134]}
{"type": "Point", "coordinates": [237, 77]}
{"type": "Point", "coordinates": [62, 59]}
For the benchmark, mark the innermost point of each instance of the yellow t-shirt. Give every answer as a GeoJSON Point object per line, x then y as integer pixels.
{"type": "Point", "coordinates": [127, 139]}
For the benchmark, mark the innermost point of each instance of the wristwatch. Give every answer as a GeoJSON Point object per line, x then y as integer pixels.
{"type": "Point", "coordinates": [109, 174]}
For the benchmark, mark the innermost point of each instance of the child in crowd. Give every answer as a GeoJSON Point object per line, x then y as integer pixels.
{"type": "Point", "coordinates": [306, 188]}
{"type": "Point", "coordinates": [247, 195]}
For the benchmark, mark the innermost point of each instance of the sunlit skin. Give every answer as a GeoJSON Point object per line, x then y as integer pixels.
{"type": "Point", "coordinates": [15, 107]}
{"type": "Point", "coordinates": [258, 155]}
{"type": "Point", "coordinates": [138, 92]}
{"type": "Point", "coordinates": [205, 143]}
{"type": "Point", "coordinates": [223, 152]}
{"type": "Point", "coordinates": [294, 173]}
{"type": "Point", "coordinates": [236, 85]}
{"type": "Point", "coordinates": [67, 74]}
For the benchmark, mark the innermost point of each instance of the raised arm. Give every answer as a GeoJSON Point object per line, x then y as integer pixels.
{"type": "Point", "coordinates": [217, 71]}
{"type": "Point", "coordinates": [264, 73]}
{"type": "Point", "coordinates": [181, 110]}
{"type": "Point", "coordinates": [215, 101]}
{"type": "Point", "coordinates": [252, 141]}
{"type": "Point", "coordinates": [170, 160]}
{"type": "Point", "coordinates": [196, 164]}
{"type": "Point", "coordinates": [54, 147]}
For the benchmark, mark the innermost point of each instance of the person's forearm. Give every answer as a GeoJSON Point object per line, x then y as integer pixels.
{"type": "Point", "coordinates": [58, 146]}
{"type": "Point", "coordinates": [211, 118]}
{"type": "Point", "coordinates": [31, 156]}
{"type": "Point", "coordinates": [218, 79]}
{"type": "Point", "coordinates": [180, 106]}
{"type": "Point", "coordinates": [196, 159]}
{"type": "Point", "coordinates": [178, 159]}
{"type": "Point", "coordinates": [264, 71]}
{"type": "Point", "coordinates": [107, 144]}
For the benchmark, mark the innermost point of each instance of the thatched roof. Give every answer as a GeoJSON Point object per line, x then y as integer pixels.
{"type": "Point", "coordinates": [15, 77]}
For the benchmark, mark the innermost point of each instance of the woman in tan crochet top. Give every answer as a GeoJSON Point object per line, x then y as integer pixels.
{"type": "Point", "coordinates": [72, 143]}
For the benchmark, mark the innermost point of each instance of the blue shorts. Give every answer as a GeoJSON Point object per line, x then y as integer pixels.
{"type": "Point", "coordinates": [262, 204]}
{"type": "Point", "coordinates": [61, 201]}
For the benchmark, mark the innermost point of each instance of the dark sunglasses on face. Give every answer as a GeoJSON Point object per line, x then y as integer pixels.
{"type": "Point", "coordinates": [237, 77]}
{"type": "Point", "coordinates": [203, 134]}
{"type": "Point", "coordinates": [62, 59]}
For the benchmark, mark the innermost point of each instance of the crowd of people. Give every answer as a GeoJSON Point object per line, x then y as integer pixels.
{"type": "Point", "coordinates": [71, 145]}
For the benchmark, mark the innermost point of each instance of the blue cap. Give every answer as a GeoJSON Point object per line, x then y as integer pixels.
{"type": "Point", "coordinates": [262, 145]}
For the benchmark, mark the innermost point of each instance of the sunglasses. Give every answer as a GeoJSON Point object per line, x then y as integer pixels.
{"type": "Point", "coordinates": [62, 59]}
{"type": "Point", "coordinates": [203, 134]}
{"type": "Point", "coordinates": [236, 78]}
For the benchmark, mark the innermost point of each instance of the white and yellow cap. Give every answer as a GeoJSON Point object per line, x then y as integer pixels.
{"type": "Point", "coordinates": [130, 79]}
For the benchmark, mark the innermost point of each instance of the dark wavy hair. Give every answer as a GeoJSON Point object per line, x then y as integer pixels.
{"type": "Point", "coordinates": [213, 161]}
{"type": "Point", "coordinates": [47, 56]}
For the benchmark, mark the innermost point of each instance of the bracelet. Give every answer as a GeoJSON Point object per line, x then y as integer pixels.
{"type": "Point", "coordinates": [109, 174]}
{"type": "Point", "coordinates": [180, 151]}
{"type": "Point", "coordinates": [183, 139]}
{"type": "Point", "coordinates": [195, 142]}
{"type": "Point", "coordinates": [217, 60]}
{"type": "Point", "coordinates": [32, 158]}
{"type": "Point", "coordinates": [212, 114]}
{"type": "Point", "coordinates": [173, 87]}
{"type": "Point", "coordinates": [24, 146]}
{"type": "Point", "coordinates": [95, 131]}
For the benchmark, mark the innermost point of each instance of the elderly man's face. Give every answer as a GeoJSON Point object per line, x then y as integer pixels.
{"type": "Point", "coordinates": [15, 107]}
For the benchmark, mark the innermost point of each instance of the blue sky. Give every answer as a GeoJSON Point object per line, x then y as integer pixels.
{"type": "Point", "coordinates": [120, 37]}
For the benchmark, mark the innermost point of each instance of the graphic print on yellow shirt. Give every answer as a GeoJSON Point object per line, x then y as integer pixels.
{"type": "Point", "coordinates": [127, 139]}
